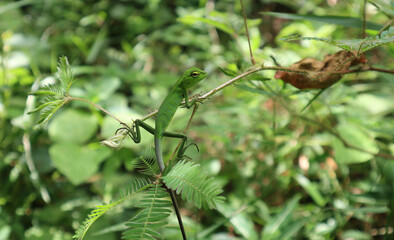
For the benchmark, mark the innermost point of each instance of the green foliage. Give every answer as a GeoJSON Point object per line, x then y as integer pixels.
{"type": "Point", "coordinates": [137, 185]}
{"type": "Point", "coordinates": [384, 6]}
{"type": "Point", "coordinates": [54, 94]}
{"type": "Point", "coordinates": [337, 20]}
{"type": "Point", "coordinates": [287, 172]}
{"type": "Point", "coordinates": [359, 45]}
{"type": "Point", "coordinates": [146, 163]}
{"type": "Point", "coordinates": [155, 210]}
{"type": "Point", "coordinates": [187, 179]}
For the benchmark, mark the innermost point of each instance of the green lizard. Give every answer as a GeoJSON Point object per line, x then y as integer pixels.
{"type": "Point", "coordinates": [167, 111]}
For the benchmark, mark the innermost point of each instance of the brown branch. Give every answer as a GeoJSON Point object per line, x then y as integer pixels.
{"type": "Point", "coordinates": [68, 98]}
{"type": "Point", "coordinates": [262, 68]}
{"type": "Point", "coordinates": [247, 33]}
{"type": "Point", "coordinates": [364, 18]}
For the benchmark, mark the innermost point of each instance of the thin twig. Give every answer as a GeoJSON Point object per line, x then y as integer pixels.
{"type": "Point", "coordinates": [386, 26]}
{"type": "Point", "coordinates": [177, 212]}
{"type": "Point", "coordinates": [247, 33]}
{"type": "Point", "coordinates": [97, 106]}
{"type": "Point", "coordinates": [262, 68]}
{"type": "Point", "coordinates": [364, 18]}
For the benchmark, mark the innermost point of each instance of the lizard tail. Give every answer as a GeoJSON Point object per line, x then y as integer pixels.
{"type": "Point", "coordinates": [159, 153]}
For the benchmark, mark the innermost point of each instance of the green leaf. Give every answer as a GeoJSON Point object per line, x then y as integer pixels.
{"type": "Point", "coordinates": [13, 5]}
{"type": "Point", "coordinates": [356, 137]}
{"type": "Point", "coordinates": [77, 163]}
{"type": "Point", "coordinates": [356, 234]}
{"type": "Point", "coordinates": [228, 72]}
{"type": "Point", "coordinates": [48, 111]}
{"type": "Point", "coordinates": [136, 185]}
{"type": "Point", "coordinates": [73, 126]}
{"type": "Point", "coordinates": [43, 93]}
{"type": "Point", "coordinates": [146, 164]}
{"type": "Point", "coordinates": [187, 179]}
{"type": "Point", "coordinates": [219, 25]}
{"type": "Point", "coordinates": [311, 188]}
{"type": "Point", "coordinates": [48, 104]}
{"type": "Point", "coordinates": [271, 229]}
{"type": "Point", "coordinates": [253, 89]}
{"type": "Point", "coordinates": [241, 221]}
{"type": "Point", "coordinates": [384, 6]}
{"type": "Point", "coordinates": [338, 20]}
{"type": "Point", "coordinates": [155, 210]}
{"type": "Point", "coordinates": [359, 45]}
{"type": "Point", "coordinates": [65, 74]}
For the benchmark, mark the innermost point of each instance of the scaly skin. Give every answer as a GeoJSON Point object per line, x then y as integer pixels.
{"type": "Point", "coordinates": [167, 111]}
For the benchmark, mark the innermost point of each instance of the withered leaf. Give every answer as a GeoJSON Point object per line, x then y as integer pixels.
{"type": "Point", "coordinates": [321, 74]}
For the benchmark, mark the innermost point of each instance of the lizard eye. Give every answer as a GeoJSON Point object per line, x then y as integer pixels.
{"type": "Point", "coordinates": [195, 74]}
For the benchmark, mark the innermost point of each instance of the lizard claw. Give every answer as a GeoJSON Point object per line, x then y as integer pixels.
{"type": "Point", "coordinates": [192, 144]}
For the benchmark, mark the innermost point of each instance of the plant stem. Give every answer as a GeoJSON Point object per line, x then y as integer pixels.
{"type": "Point", "coordinates": [68, 98]}
{"type": "Point", "coordinates": [177, 212]}
{"type": "Point", "coordinates": [262, 68]}
{"type": "Point", "coordinates": [172, 194]}
{"type": "Point", "coordinates": [364, 18]}
{"type": "Point", "coordinates": [247, 33]}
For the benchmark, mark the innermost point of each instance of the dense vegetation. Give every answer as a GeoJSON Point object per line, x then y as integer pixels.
{"type": "Point", "coordinates": [292, 163]}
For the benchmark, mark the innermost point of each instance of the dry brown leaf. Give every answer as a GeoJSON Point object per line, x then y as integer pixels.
{"type": "Point", "coordinates": [320, 73]}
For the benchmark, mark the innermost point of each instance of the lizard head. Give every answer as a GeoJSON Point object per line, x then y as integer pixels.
{"type": "Point", "coordinates": [192, 76]}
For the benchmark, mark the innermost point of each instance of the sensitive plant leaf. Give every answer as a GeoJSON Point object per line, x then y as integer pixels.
{"type": "Point", "coordinates": [48, 104]}
{"type": "Point", "coordinates": [359, 45]}
{"type": "Point", "coordinates": [43, 93]}
{"type": "Point", "coordinates": [384, 6]}
{"type": "Point", "coordinates": [186, 178]}
{"type": "Point", "coordinates": [65, 74]}
{"type": "Point", "coordinates": [48, 112]}
{"type": "Point", "coordinates": [92, 217]}
{"type": "Point", "coordinates": [155, 210]}
{"type": "Point", "coordinates": [338, 20]}
{"type": "Point", "coordinates": [136, 186]}
{"type": "Point", "coordinates": [147, 164]}
{"type": "Point", "coordinates": [55, 94]}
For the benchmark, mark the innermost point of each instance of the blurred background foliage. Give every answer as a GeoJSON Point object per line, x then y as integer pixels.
{"type": "Point", "coordinates": [287, 173]}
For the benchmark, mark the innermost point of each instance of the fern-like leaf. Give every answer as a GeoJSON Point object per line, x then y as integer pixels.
{"type": "Point", "coordinates": [187, 179]}
{"type": "Point", "coordinates": [359, 45]}
{"type": "Point", "coordinates": [55, 95]}
{"type": "Point", "coordinates": [146, 164]}
{"type": "Point", "coordinates": [136, 186]}
{"type": "Point", "coordinates": [65, 74]}
{"type": "Point", "coordinates": [48, 111]}
{"type": "Point", "coordinates": [156, 209]}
